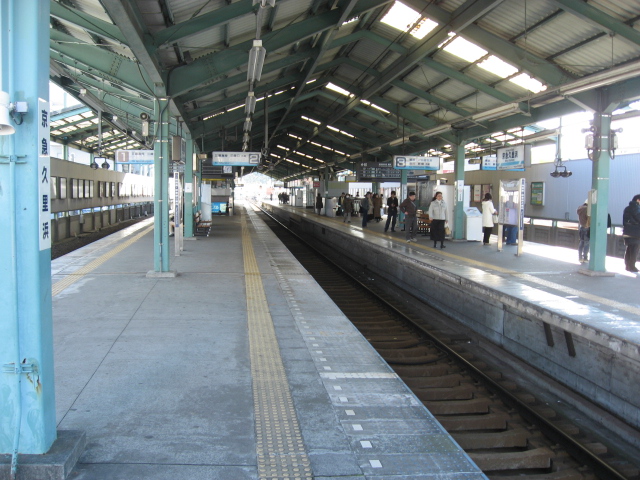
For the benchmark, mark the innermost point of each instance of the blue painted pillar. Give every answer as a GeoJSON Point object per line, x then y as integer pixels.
{"type": "Point", "coordinates": [404, 193]}
{"type": "Point", "coordinates": [188, 189]}
{"type": "Point", "coordinates": [65, 152]}
{"type": "Point", "coordinates": [600, 183]}
{"type": "Point", "coordinates": [161, 202]}
{"type": "Point", "coordinates": [27, 395]}
{"type": "Point", "coordinates": [457, 223]}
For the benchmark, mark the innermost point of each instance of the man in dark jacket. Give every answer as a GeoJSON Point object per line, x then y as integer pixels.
{"type": "Point", "coordinates": [392, 212]}
{"type": "Point", "coordinates": [631, 233]}
{"type": "Point", "coordinates": [365, 203]}
{"type": "Point", "coordinates": [408, 207]}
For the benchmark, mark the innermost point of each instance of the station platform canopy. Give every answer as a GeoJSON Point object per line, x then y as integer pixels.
{"type": "Point", "coordinates": [317, 83]}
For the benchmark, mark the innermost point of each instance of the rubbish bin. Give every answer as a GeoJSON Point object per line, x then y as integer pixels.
{"type": "Point", "coordinates": [472, 224]}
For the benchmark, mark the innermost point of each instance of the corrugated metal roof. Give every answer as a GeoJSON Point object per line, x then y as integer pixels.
{"type": "Point", "coordinates": [206, 62]}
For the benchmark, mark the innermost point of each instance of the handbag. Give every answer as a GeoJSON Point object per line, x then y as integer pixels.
{"type": "Point", "coordinates": [447, 230]}
{"type": "Point", "coordinates": [494, 218]}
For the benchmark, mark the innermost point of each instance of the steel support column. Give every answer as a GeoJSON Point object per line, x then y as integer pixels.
{"type": "Point", "coordinates": [161, 202]}
{"type": "Point", "coordinates": [458, 205]}
{"type": "Point", "coordinates": [188, 189]}
{"type": "Point", "coordinates": [27, 395]}
{"type": "Point", "coordinates": [600, 183]}
{"type": "Point", "coordinates": [404, 193]}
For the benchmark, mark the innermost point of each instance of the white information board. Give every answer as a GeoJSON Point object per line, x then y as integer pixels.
{"type": "Point", "coordinates": [402, 162]}
{"type": "Point", "coordinates": [237, 159]}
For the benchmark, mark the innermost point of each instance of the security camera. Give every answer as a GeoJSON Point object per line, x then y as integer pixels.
{"type": "Point", "coordinates": [144, 116]}
{"type": "Point", "coordinates": [555, 174]}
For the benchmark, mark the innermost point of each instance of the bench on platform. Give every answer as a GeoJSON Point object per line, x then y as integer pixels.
{"type": "Point", "coordinates": [424, 223]}
{"type": "Point", "coordinates": [202, 227]}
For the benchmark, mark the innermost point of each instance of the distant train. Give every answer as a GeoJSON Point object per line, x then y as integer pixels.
{"type": "Point", "coordinates": [84, 199]}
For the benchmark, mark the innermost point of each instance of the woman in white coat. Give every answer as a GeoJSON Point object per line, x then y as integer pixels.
{"type": "Point", "coordinates": [438, 217]}
{"type": "Point", "coordinates": [488, 211]}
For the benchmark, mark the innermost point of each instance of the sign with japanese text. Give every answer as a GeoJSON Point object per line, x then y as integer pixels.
{"type": "Point", "coordinates": [236, 159]}
{"type": "Point", "coordinates": [135, 156]}
{"type": "Point", "coordinates": [511, 158]}
{"type": "Point", "coordinates": [489, 162]}
{"type": "Point", "coordinates": [382, 172]}
{"type": "Point", "coordinates": [44, 176]}
{"type": "Point", "coordinates": [416, 163]}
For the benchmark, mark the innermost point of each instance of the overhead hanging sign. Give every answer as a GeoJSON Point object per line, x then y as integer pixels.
{"type": "Point", "coordinates": [489, 162]}
{"type": "Point", "coordinates": [134, 156]}
{"type": "Point", "coordinates": [382, 172]}
{"type": "Point", "coordinates": [236, 159]}
{"type": "Point", "coordinates": [416, 163]}
{"type": "Point", "coordinates": [513, 158]}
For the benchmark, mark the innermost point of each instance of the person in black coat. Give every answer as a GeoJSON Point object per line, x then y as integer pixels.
{"type": "Point", "coordinates": [631, 233]}
{"type": "Point", "coordinates": [319, 204]}
{"type": "Point", "coordinates": [392, 212]}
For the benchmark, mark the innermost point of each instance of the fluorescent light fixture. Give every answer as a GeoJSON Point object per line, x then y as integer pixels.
{"type": "Point", "coordinates": [501, 111]}
{"type": "Point", "coordinates": [246, 137]}
{"type": "Point", "coordinates": [256, 61]}
{"type": "Point", "coordinates": [437, 130]}
{"type": "Point", "coordinates": [355, 155]}
{"type": "Point", "coordinates": [398, 141]}
{"type": "Point", "coordinates": [311, 120]}
{"type": "Point", "coordinates": [374, 150]}
{"type": "Point", "coordinates": [250, 104]}
{"type": "Point", "coordinates": [340, 90]}
{"type": "Point", "coordinates": [600, 80]}
{"type": "Point", "coordinates": [247, 124]}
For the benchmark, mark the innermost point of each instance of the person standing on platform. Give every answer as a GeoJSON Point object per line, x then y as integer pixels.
{"type": "Point", "coordinates": [438, 217]}
{"type": "Point", "coordinates": [365, 206]}
{"type": "Point", "coordinates": [408, 207]}
{"type": "Point", "coordinates": [392, 212]}
{"type": "Point", "coordinates": [319, 204]}
{"type": "Point", "coordinates": [631, 233]}
{"type": "Point", "coordinates": [347, 208]}
{"type": "Point", "coordinates": [488, 211]}
{"type": "Point", "coordinates": [584, 232]}
{"type": "Point", "coordinates": [377, 207]}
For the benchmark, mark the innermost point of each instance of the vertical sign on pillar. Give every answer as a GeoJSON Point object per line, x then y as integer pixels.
{"type": "Point", "coordinates": [521, 219]}
{"type": "Point", "coordinates": [44, 175]}
{"type": "Point", "coordinates": [177, 207]}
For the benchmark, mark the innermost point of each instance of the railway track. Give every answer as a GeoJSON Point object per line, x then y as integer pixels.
{"type": "Point", "coordinates": [505, 430]}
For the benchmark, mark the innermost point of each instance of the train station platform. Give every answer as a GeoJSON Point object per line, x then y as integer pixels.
{"type": "Point", "coordinates": [239, 367]}
{"type": "Point", "coordinates": [583, 331]}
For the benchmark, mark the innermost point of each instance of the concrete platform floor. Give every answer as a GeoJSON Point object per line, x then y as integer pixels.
{"type": "Point", "coordinates": [157, 371]}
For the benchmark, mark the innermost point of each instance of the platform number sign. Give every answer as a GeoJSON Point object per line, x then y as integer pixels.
{"type": "Point", "coordinates": [44, 176]}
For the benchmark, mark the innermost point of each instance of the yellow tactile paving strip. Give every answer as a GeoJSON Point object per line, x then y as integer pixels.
{"type": "Point", "coordinates": [72, 278]}
{"type": "Point", "coordinates": [279, 445]}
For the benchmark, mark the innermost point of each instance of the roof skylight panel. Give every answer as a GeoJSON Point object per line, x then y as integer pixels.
{"type": "Point", "coordinates": [465, 49]}
{"type": "Point", "coordinates": [531, 84]}
{"type": "Point", "coordinates": [403, 17]}
{"type": "Point", "coordinates": [498, 67]}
